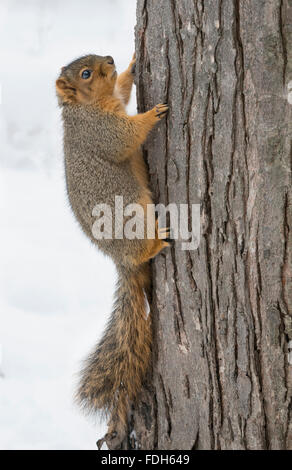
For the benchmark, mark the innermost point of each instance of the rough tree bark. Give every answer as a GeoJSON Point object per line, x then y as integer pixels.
{"type": "Point", "coordinates": [222, 321]}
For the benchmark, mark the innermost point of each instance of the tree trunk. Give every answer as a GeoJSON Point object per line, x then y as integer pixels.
{"type": "Point", "coordinates": [222, 373]}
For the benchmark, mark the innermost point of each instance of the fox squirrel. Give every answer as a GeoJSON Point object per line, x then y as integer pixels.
{"type": "Point", "coordinates": [103, 158]}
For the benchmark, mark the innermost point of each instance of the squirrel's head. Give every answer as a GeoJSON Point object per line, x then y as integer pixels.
{"type": "Point", "coordinates": [86, 79]}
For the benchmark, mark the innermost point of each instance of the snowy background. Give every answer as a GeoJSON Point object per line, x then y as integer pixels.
{"type": "Point", "coordinates": [55, 287]}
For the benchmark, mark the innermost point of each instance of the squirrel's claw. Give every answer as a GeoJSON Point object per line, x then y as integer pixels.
{"type": "Point", "coordinates": [165, 234]}
{"type": "Point", "coordinates": [160, 110]}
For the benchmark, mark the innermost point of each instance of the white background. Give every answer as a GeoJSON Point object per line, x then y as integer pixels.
{"type": "Point", "coordinates": [55, 287]}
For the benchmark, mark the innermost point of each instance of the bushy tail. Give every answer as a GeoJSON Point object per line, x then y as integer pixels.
{"type": "Point", "coordinates": [114, 372]}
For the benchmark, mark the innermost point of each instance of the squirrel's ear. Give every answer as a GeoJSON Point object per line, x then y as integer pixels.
{"type": "Point", "coordinates": [65, 91]}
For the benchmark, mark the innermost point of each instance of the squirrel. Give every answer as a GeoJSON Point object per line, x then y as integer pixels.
{"type": "Point", "coordinates": [103, 158]}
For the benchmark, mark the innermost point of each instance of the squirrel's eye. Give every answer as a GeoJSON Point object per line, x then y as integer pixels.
{"type": "Point", "coordinates": [86, 74]}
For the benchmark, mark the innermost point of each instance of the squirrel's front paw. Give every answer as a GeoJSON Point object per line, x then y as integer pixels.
{"type": "Point", "coordinates": [165, 234]}
{"type": "Point", "coordinates": [160, 110]}
{"type": "Point", "coordinates": [132, 66]}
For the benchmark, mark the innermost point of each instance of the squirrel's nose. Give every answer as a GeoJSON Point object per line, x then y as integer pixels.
{"type": "Point", "coordinates": [109, 60]}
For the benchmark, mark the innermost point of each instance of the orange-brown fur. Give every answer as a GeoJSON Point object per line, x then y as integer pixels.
{"type": "Point", "coordinates": [102, 149]}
